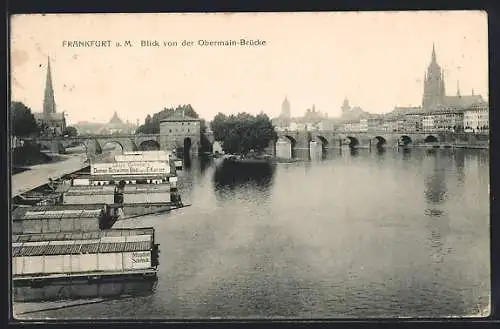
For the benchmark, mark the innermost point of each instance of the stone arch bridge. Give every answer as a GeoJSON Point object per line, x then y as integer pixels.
{"type": "Point", "coordinates": [94, 144]}
{"type": "Point", "coordinates": [331, 139]}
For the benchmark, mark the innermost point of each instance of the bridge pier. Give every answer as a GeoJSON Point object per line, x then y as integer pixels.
{"type": "Point", "coordinates": [57, 147]}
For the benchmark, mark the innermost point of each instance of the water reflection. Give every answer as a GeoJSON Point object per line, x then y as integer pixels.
{"type": "Point", "coordinates": [381, 150]}
{"type": "Point", "coordinates": [205, 163]}
{"type": "Point", "coordinates": [459, 158]}
{"type": "Point", "coordinates": [187, 162]}
{"type": "Point", "coordinates": [406, 153]}
{"type": "Point", "coordinates": [436, 194]}
{"type": "Point", "coordinates": [62, 292]}
{"type": "Point", "coordinates": [435, 183]}
{"type": "Point", "coordinates": [231, 176]}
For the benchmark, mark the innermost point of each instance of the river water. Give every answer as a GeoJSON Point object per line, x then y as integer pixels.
{"type": "Point", "coordinates": [363, 234]}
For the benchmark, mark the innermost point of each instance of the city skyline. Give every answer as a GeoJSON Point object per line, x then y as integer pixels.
{"type": "Point", "coordinates": [371, 65]}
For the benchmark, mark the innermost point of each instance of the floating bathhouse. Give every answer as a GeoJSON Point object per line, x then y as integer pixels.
{"type": "Point", "coordinates": [107, 255]}
{"type": "Point", "coordinates": [62, 218]}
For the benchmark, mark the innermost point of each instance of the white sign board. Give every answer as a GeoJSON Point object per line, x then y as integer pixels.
{"type": "Point", "coordinates": [130, 168]}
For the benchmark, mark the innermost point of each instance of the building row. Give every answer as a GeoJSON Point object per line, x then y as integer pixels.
{"type": "Point", "coordinates": [438, 112]}
{"type": "Point", "coordinates": [474, 119]}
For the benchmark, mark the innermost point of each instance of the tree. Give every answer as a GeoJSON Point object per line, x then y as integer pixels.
{"type": "Point", "coordinates": [70, 131]}
{"type": "Point", "coordinates": [152, 124]}
{"type": "Point", "coordinates": [23, 123]}
{"type": "Point", "coordinates": [243, 132]}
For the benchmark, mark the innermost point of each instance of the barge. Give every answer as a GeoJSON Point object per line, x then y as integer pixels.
{"type": "Point", "coordinates": [63, 218]}
{"type": "Point", "coordinates": [84, 257]}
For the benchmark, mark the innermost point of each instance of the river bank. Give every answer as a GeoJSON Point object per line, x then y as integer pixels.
{"type": "Point", "coordinates": [38, 175]}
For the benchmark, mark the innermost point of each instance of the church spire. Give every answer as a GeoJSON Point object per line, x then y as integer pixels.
{"type": "Point", "coordinates": [49, 104]}
{"type": "Point", "coordinates": [433, 54]}
{"type": "Point", "coordinates": [458, 88]}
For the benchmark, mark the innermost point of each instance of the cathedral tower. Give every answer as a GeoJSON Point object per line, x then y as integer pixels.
{"type": "Point", "coordinates": [433, 84]}
{"type": "Point", "coordinates": [345, 107]}
{"type": "Point", "coordinates": [285, 109]}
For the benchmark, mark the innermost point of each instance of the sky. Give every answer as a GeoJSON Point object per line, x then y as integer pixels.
{"type": "Point", "coordinates": [376, 60]}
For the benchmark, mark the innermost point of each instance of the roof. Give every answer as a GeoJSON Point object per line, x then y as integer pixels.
{"type": "Point", "coordinates": [34, 214]}
{"type": "Point", "coordinates": [109, 177]}
{"type": "Point", "coordinates": [403, 110]}
{"type": "Point", "coordinates": [91, 189]}
{"type": "Point", "coordinates": [444, 111]}
{"type": "Point", "coordinates": [94, 235]}
{"type": "Point", "coordinates": [463, 101]}
{"type": "Point", "coordinates": [115, 119]}
{"type": "Point", "coordinates": [60, 207]}
{"type": "Point", "coordinates": [65, 247]}
{"type": "Point", "coordinates": [147, 188]}
{"type": "Point", "coordinates": [177, 117]}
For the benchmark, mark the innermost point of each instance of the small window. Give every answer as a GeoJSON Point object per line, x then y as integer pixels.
{"type": "Point", "coordinates": [170, 130]}
{"type": "Point", "coordinates": [188, 129]}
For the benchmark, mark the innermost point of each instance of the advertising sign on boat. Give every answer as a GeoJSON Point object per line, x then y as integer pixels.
{"type": "Point", "coordinates": [130, 168]}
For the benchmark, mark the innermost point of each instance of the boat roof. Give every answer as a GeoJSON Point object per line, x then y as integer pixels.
{"type": "Point", "coordinates": [91, 235]}
{"type": "Point", "coordinates": [148, 188]}
{"type": "Point", "coordinates": [90, 190]}
{"type": "Point", "coordinates": [118, 244]}
{"type": "Point", "coordinates": [57, 212]}
{"type": "Point", "coordinates": [122, 177]}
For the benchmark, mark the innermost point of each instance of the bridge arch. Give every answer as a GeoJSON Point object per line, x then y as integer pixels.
{"type": "Point", "coordinates": [292, 140]}
{"type": "Point", "coordinates": [323, 140]}
{"type": "Point", "coordinates": [405, 140]}
{"type": "Point", "coordinates": [285, 146]}
{"type": "Point", "coordinates": [353, 141]}
{"type": "Point", "coordinates": [380, 141]}
{"type": "Point", "coordinates": [111, 142]}
{"type": "Point", "coordinates": [149, 144]}
{"type": "Point", "coordinates": [431, 139]}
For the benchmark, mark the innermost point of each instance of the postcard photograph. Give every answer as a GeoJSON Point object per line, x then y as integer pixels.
{"type": "Point", "coordinates": [312, 165]}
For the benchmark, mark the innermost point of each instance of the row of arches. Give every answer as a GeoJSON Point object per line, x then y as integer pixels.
{"type": "Point", "coordinates": [148, 145]}
{"type": "Point", "coordinates": [352, 141]}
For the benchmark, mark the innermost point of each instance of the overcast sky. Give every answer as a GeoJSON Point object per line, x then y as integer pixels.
{"type": "Point", "coordinates": [375, 59]}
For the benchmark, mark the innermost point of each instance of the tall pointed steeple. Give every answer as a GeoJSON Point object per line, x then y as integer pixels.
{"type": "Point", "coordinates": [458, 88]}
{"type": "Point", "coordinates": [49, 103]}
{"type": "Point", "coordinates": [434, 90]}
{"type": "Point", "coordinates": [433, 54]}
